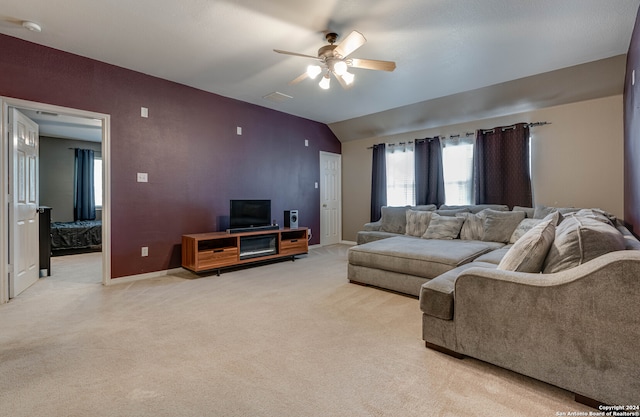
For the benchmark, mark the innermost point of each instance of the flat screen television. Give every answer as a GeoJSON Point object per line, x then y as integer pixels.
{"type": "Point", "coordinates": [249, 213]}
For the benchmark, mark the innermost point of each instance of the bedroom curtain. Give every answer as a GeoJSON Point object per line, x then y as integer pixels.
{"type": "Point", "coordinates": [84, 207]}
{"type": "Point", "coordinates": [378, 181]}
{"type": "Point", "coordinates": [501, 163]}
{"type": "Point", "coordinates": [429, 172]}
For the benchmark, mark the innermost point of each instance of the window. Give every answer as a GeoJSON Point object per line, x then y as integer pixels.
{"type": "Point", "coordinates": [97, 181]}
{"type": "Point", "coordinates": [400, 162]}
{"type": "Point", "coordinates": [457, 166]}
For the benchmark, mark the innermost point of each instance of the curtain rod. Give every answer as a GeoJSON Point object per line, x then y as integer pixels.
{"type": "Point", "coordinates": [467, 134]}
{"type": "Point", "coordinates": [514, 126]}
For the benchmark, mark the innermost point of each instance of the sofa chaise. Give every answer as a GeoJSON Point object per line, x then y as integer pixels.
{"type": "Point", "coordinates": [559, 301]}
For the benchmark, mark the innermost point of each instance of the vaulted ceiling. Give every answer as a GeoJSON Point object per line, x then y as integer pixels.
{"type": "Point", "coordinates": [456, 60]}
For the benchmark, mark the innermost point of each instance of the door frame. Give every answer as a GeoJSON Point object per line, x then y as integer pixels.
{"type": "Point", "coordinates": [339, 156]}
{"type": "Point", "coordinates": [5, 197]}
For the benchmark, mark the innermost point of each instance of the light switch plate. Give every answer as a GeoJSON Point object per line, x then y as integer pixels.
{"type": "Point", "coordinates": [144, 112]}
{"type": "Point", "coordinates": [143, 177]}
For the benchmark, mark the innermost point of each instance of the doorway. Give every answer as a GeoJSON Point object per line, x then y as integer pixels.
{"type": "Point", "coordinates": [7, 254]}
{"type": "Point", "coordinates": [330, 198]}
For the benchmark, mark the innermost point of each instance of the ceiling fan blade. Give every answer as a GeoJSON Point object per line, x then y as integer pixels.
{"type": "Point", "coordinates": [353, 41]}
{"type": "Point", "coordinates": [294, 54]}
{"type": "Point", "coordinates": [373, 64]}
{"type": "Point", "coordinates": [301, 77]}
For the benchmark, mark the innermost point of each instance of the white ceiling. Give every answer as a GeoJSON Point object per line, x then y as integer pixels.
{"type": "Point", "coordinates": [443, 48]}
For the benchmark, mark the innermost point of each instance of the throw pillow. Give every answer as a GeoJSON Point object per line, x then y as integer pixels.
{"type": "Point", "coordinates": [473, 226]}
{"type": "Point", "coordinates": [417, 222]}
{"type": "Point", "coordinates": [499, 225]}
{"type": "Point", "coordinates": [394, 219]}
{"type": "Point", "coordinates": [529, 252]}
{"type": "Point", "coordinates": [443, 227]}
{"type": "Point", "coordinates": [523, 227]}
{"type": "Point", "coordinates": [579, 240]}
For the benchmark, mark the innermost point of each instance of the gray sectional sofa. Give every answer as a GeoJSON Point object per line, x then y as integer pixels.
{"type": "Point", "coordinates": [555, 297]}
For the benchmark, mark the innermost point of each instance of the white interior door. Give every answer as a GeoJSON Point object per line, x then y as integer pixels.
{"type": "Point", "coordinates": [23, 214]}
{"type": "Point", "coordinates": [330, 198]}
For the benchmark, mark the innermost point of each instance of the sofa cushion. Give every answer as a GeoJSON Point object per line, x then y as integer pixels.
{"type": "Point", "coordinates": [436, 295]}
{"type": "Point", "coordinates": [596, 214]}
{"type": "Point", "coordinates": [452, 212]}
{"type": "Point", "coordinates": [394, 219]}
{"type": "Point", "coordinates": [529, 211]}
{"type": "Point", "coordinates": [540, 211]}
{"type": "Point", "coordinates": [371, 236]}
{"type": "Point", "coordinates": [372, 226]}
{"type": "Point", "coordinates": [417, 222]}
{"type": "Point", "coordinates": [425, 258]}
{"type": "Point", "coordinates": [495, 256]}
{"type": "Point", "coordinates": [476, 208]}
{"type": "Point", "coordinates": [443, 227]}
{"type": "Point", "coordinates": [499, 225]}
{"type": "Point", "coordinates": [579, 240]}
{"type": "Point", "coordinates": [424, 207]}
{"type": "Point", "coordinates": [529, 252]}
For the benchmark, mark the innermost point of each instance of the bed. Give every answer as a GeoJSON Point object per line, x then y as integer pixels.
{"type": "Point", "coordinates": [76, 237]}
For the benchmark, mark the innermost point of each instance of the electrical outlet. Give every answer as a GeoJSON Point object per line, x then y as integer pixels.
{"type": "Point", "coordinates": [142, 177]}
{"type": "Point", "coordinates": [145, 251]}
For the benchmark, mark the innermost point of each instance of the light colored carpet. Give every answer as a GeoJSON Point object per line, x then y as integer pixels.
{"type": "Point", "coordinates": [284, 339]}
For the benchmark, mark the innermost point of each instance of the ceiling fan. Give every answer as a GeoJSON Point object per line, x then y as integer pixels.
{"type": "Point", "coordinates": [334, 60]}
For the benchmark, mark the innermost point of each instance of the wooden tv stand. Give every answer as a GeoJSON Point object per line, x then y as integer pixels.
{"type": "Point", "coordinates": [216, 250]}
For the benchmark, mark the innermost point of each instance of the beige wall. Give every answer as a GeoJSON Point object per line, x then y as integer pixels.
{"type": "Point", "coordinates": [576, 161]}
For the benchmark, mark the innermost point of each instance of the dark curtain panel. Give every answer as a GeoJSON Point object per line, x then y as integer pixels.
{"type": "Point", "coordinates": [84, 193]}
{"type": "Point", "coordinates": [429, 172]}
{"type": "Point", "coordinates": [501, 164]}
{"type": "Point", "coordinates": [378, 181]}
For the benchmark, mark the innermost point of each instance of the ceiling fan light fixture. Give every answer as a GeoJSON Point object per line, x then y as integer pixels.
{"type": "Point", "coordinates": [325, 82]}
{"type": "Point", "coordinates": [348, 78]}
{"type": "Point", "coordinates": [340, 67]}
{"type": "Point", "coordinates": [313, 71]}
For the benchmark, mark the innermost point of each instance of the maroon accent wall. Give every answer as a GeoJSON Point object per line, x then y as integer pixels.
{"type": "Point", "coordinates": [188, 146]}
{"type": "Point", "coordinates": [632, 133]}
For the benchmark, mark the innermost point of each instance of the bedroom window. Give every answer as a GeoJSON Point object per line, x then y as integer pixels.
{"type": "Point", "coordinates": [400, 164]}
{"type": "Point", "coordinates": [97, 181]}
{"type": "Point", "coordinates": [457, 166]}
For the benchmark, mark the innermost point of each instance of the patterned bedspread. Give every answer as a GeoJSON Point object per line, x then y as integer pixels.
{"type": "Point", "coordinates": [83, 234]}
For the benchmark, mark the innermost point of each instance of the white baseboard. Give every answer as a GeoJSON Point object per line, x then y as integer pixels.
{"type": "Point", "coordinates": [139, 277]}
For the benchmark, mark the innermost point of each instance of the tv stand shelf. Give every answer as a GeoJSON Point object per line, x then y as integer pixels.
{"type": "Point", "coordinates": [213, 251]}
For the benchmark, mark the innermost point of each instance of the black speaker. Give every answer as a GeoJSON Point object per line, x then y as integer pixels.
{"type": "Point", "coordinates": [291, 219]}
